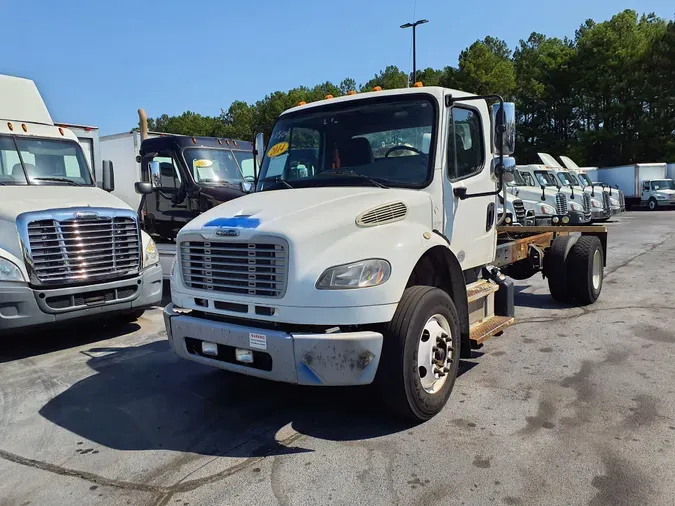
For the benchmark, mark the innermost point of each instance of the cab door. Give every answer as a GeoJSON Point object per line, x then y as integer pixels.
{"type": "Point", "coordinates": [469, 223]}
{"type": "Point", "coordinates": [166, 208]}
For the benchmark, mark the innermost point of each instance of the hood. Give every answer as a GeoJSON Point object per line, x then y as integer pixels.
{"type": "Point", "coordinates": [15, 200]}
{"type": "Point", "coordinates": [308, 211]}
{"type": "Point", "coordinates": [547, 159]}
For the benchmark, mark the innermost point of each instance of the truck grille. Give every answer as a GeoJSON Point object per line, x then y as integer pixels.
{"type": "Point", "coordinates": [606, 204]}
{"type": "Point", "coordinates": [560, 203]}
{"type": "Point", "coordinates": [587, 203]}
{"type": "Point", "coordinates": [519, 208]}
{"type": "Point", "coordinates": [257, 269]}
{"type": "Point", "coordinates": [622, 200]}
{"type": "Point", "coordinates": [76, 249]}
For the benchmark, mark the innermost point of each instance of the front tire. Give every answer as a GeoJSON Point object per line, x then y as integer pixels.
{"type": "Point", "coordinates": [420, 357]}
{"type": "Point", "coordinates": [653, 205]}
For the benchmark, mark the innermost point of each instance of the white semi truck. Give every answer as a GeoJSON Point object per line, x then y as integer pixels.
{"type": "Point", "coordinates": [366, 266]}
{"type": "Point", "coordinates": [548, 208]}
{"type": "Point", "coordinates": [68, 250]}
{"type": "Point", "coordinates": [587, 178]}
{"type": "Point", "coordinates": [642, 184]}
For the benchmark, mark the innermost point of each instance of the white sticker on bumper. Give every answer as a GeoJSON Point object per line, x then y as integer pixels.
{"type": "Point", "coordinates": [258, 341]}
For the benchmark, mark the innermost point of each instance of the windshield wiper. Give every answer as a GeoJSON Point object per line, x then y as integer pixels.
{"type": "Point", "coordinates": [351, 173]}
{"type": "Point", "coordinates": [276, 179]}
{"type": "Point", "coordinates": [57, 179]}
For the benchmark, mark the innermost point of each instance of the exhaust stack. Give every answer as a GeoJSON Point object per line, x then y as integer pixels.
{"type": "Point", "coordinates": [143, 121]}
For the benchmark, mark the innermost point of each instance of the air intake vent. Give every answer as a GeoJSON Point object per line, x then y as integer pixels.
{"type": "Point", "coordinates": [587, 203]}
{"type": "Point", "coordinates": [380, 215]}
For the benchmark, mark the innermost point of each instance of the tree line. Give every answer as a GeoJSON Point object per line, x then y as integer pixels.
{"type": "Point", "coordinates": [604, 97]}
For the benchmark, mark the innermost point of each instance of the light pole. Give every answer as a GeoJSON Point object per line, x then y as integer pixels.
{"type": "Point", "coordinates": [413, 26]}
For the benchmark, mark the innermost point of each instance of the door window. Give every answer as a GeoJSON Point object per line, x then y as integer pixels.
{"type": "Point", "coordinates": [465, 144]}
{"type": "Point", "coordinates": [170, 176]}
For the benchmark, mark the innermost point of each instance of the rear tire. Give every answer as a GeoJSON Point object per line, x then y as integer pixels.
{"type": "Point", "coordinates": [585, 264]}
{"type": "Point", "coordinates": [405, 383]}
{"type": "Point", "coordinates": [555, 268]}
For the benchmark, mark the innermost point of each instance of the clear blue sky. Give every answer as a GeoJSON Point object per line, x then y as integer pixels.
{"type": "Point", "coordinates": [97, 61]}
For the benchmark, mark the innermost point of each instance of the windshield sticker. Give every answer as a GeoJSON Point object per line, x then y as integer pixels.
{"type": "Point", "coordinates": [203, 163]}
{"type": "Point", "coordinates": [278, 149]}
{"type": "Point", "coordinates": [235, 222]}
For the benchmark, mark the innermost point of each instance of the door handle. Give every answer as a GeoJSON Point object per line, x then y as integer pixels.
{"type": "Point", "coordinates": [490, 216]}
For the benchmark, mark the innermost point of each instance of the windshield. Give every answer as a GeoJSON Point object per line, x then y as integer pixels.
{"type": "Point", "coordinates": [214, 166]}
{"type": "Point", "coordinates": [518, 179]}
{"type": "Point", "coordinates": [568, 179]}
{"type": "Point", "coordinates": [42, 162]}
{"type": "Point", "coordinates": [586, 181]}
{"type": "Point", "coordinates": [371, 143]}
{"type": "Point", "coordinates": [245, 161]}
{"type": "Point", "coordinates": [663, 184]}
{"type": "Point", "coordinates": [545, 178]}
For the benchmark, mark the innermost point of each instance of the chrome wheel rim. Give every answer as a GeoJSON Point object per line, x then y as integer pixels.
{"type": "Point", "coordinates": [597, 269]}
{"type": "Point", "coordinates": [435, 353]}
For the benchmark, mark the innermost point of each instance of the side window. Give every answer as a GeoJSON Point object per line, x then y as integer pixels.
{"type": "Point", "coordinates": [645, 186]}
{"type": "Point", "coordinates": [465, 143]}
{"type": "Point", "coordinates": [170, 176]}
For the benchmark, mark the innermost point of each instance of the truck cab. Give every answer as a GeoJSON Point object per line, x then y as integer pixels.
{"type": "Point", "coordinates": [192, 175]}
{"type": "Point", "coordinates": [543, 203]}
{"type": "Point", "coordinates": [577, 204]}
{"type": "Point", "coordinates": [371, 251]}
{"type": "Point", "coordinates": [68, 249]}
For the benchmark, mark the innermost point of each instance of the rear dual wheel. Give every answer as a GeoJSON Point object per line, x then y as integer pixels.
{"type": "Point", "coordinates": [575, 269]}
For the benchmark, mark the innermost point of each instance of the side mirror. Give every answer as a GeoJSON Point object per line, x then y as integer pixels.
{"type": "Point", "coordinates": [108, 176]}
{"type": "Point", "coordinates": [246, 186]}
{"type": "Point", "coordinates": [155, 175]}
{"type": "Point", "coordinates": [506, 170]}
{"type": "Point", "coordinates": [143, 187]}
{"type": "Point", "coordinates": [504, 124]}
{"type": "Point", "coordinates": [259, 148]}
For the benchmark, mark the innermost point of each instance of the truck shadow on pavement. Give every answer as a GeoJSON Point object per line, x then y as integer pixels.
{"type": "Point", "coordinates": [536, 300]}
{"type": "Point", "coordinates": [146, 398]}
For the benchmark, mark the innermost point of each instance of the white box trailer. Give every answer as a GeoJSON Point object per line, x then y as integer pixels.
{"type": "Point", "coordinates": [123, 150]}
{"type": "Point", "coordinates": [670, 171]}
{"type": "Point", "coordinates": [641, 183]}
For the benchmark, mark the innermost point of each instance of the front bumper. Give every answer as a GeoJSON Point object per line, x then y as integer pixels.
{"type": "Point", "coordinates": [617, 210]}
{"type": "Point", "coordinates": [23, 307]}
{"type": "Point", "coordinates": [339, 358]}
{"type": "Point", "coordinates": [579, 218]}
{"type": "Point", "coordinates": [600, 214]}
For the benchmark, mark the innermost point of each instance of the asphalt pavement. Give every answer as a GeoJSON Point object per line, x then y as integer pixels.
{"type": "Point", "coordinates": [570, 406]}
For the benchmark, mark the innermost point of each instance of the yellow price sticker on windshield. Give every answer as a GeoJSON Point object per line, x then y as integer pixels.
{"type": "Point", "coordinates": [278, 149]}
{"type": "Point", "coordinates": [203, 163]}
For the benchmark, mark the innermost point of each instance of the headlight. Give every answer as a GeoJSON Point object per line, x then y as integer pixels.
{"type": "Point", "coordinates": [576, 207]}
{"type": "Point", "coordinates": [596, 203]}
{"type": "Point", "coordinates": [614, 202]}
{"type": "Point", "coordinates": [660, 196]}
{"type": "Point", "coordinates": [361, 274]}
{"type": "Point", "coordinates": [545, 209]}
{"type": "Point", "coordinates": [150, 255]}
{"type": "Point", "coordinates": [9, 271]}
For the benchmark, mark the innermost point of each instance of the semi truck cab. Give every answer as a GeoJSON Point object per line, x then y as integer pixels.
{"type": "Point", "coordinates": [370, 251]}
{"type": "Point", "coordinates": [68, 249]}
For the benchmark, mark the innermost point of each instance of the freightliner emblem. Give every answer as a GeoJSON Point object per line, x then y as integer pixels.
{"type": "Point", "coordinates": [227, 232]}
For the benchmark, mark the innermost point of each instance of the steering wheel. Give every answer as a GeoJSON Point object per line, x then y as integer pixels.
{"type": "Point", "coordinates": [402, 147]}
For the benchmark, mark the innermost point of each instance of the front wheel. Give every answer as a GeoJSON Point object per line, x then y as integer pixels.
{"type": "Point", "coordinates": [420, 357]}
{"type": "Point", "coordinates": [653, 205]}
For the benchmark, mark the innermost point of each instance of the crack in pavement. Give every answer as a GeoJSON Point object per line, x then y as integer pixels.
{"type": "Point", "coordinates": [586, 311]}
{"type": "Point", "coordinates": [649, 250]}
{"type": "Point", "coordinates": [165, 492]}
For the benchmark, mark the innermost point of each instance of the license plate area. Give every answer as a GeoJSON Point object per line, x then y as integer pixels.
{"type": "Point", "coordinates": [224, 353]}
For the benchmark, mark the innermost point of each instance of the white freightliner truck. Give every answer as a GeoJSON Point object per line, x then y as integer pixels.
{"type": "Point", "coordinates": [366, 266]}
{"type": "Point", "coordinates": [642, 184]}
{"type": "Point", "coordinates": [543, 203]}
{"type": "Point", "coordinates": [68, 249]}
{"type": "Point", "coordinates": [583, 177]}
